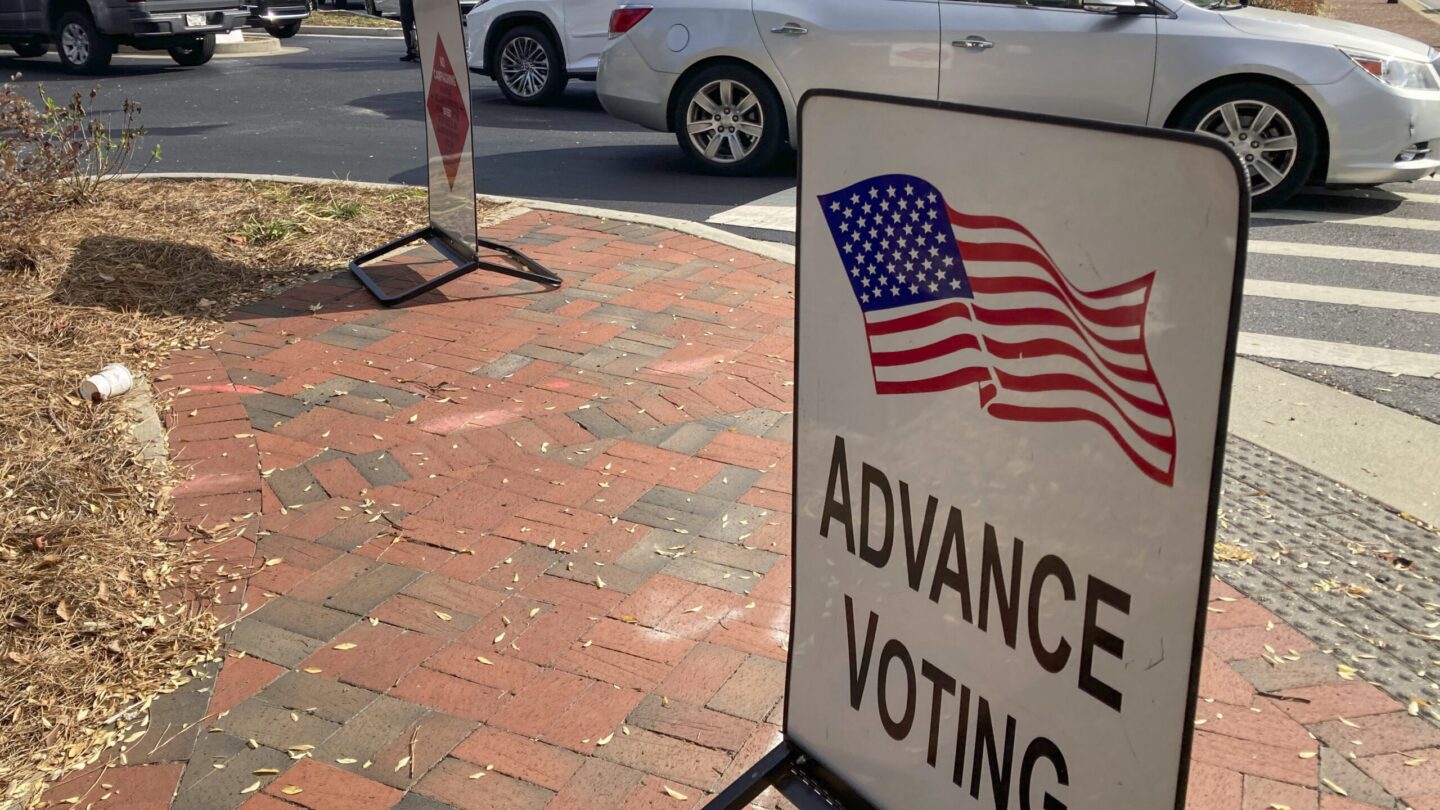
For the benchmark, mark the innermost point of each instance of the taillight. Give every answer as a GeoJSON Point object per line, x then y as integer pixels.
{"type": "Point", "coordinates": [623, 18]}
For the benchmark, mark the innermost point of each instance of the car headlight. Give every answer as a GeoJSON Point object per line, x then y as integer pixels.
{"type": "Point", "coordinates": [1401, 73]}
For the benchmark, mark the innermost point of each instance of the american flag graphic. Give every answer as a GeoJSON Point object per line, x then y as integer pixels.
{"type": "Point", "coordinates": [950, 299]}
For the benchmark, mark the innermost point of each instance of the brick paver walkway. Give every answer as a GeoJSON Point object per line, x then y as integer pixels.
{"type": "Point", "coordinates": [1400, 18]}
{"type": "Point", "coordinates": [532, 550]}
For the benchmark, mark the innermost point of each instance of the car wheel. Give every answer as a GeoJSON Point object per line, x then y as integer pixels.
{"type": "Point", "coordinates": [30, 50]}
{"type": "Point", "coordinates": [82, 49]}
{"type": "Point", "coordinates": [342, 4]}
{"type": "Point", "coordinates": [528, 67]}
{"type": "Point", "coordinates": [194, 53]}
{"type": "Point", "coordinates": [1271, 132]}
{"type": "Point", "coordinates": [729, 120]}
{"type": "Point", "coordinates": [370, 8]}
{"type": "Point", "coordinates": [283, 31]}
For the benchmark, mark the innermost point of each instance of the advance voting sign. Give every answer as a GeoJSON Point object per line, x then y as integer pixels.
{"type": "Point", "coordinates": [451, 163]}
{"type": "Point", "coordinates": [1015, 338]}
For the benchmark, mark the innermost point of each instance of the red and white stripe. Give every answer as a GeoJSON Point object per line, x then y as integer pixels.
{"type": "Point", "coordinates": [1060, 354]}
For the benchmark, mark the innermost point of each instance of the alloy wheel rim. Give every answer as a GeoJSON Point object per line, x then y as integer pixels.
{"type": "Point", "coordinates": [524, 66]}
{"type": "Point", "coordinates": [725, 121]}
{"type": "Point", "coordinates": [75, 44]}
{"type": "Point", "coordinates": [1262, 136]}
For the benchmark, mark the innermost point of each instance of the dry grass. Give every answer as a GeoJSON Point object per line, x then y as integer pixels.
{"type": "Point", "coordinates": [94, 611]}
{"type": "Point", "coordinates": [1314, 7]}
{"type": "Point", "coordinates": [349, 19]}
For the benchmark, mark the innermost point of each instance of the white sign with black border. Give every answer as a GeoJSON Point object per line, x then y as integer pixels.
{"type": "Point", "coordinates": [450, 164]}
{"type": "Point", "coordinates": [1015, 337]}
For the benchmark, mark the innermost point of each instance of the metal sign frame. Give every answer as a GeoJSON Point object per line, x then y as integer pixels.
{"type": "Point", "coordinates": [458, 243]}
{"type": "Point", "coordinates": [796, 773]}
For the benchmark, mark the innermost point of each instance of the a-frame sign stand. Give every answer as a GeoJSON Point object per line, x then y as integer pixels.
{"type": "Point", "coordinates": [797, 776]}
{"type": "Point", "coordinates": [450, 168]}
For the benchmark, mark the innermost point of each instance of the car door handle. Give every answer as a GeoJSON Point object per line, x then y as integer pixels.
{"type": "Point", "coordinates": [791, 29]}
{"type": "Point", "coordinates": [974, 44]}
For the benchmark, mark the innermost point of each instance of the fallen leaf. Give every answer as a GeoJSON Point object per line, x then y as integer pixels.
{"type": "Point", "coordinates": [675, 794]}
{"type": "Point", "coordinates": [291, 790]}
{"type": "Point", "coordinates": [402, 763]}
{"type": "Point", "coordinates": [606, 739]}
{"type": "Point", "coordinates": [313, 670]}
{"type": "Point", "coordinates": [499, 638]}
{"type": "Point", "coordinates": [252, 788]}
{"type": "Point", "coordinates": [265, 771]}
{"type": "Point", "coordinates": [695, 609]}
{"type": "Point", "coordinates": [444, 617]}
{"type": "Point", "coordinates": [1334, 787]}
{"type": "Point", "coordinates": [477, 774]}
{"type": "Point", "coordinates": [345, 645]}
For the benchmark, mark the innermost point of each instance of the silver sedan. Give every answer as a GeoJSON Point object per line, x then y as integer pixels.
{"type": "Point", "coordinates": [1301, 99]}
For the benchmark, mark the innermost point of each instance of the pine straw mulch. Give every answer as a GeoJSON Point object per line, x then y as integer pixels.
{"type": "Point", "coordinates": [1314, 7]}
{"type": "Point", "coordinates": [100, 607]}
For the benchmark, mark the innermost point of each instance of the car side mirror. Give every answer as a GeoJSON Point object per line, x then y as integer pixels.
{"type": "Point", "coordinates": [1120, 8]}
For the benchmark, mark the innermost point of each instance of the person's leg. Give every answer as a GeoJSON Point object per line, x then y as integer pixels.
{"type": "Point", "coordinates": [407, 26]}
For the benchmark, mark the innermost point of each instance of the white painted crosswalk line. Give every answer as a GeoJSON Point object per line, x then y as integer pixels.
{"type": "Point", "coordinates": [1403, 223]}
{"type": "Point", "coordinates": [1345, 355]}
{"type": "Point", "coordinates": [1374, 255]}
{"type": "Point", "coordinates": [775, 212]}
{"type": "Point", "coordinates": [1315, 293]}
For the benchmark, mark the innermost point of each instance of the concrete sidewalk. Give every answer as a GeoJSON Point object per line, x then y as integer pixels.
{"type": "Point", "coordinates": [510, 549]}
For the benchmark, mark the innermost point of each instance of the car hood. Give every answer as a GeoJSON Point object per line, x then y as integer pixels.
{"type": "Point", "coordinates": [1305, 28]}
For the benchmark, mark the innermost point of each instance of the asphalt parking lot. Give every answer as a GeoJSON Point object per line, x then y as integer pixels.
{"type": "Point", "coordinates": [1343, 287]}
{"type": "Point", "coordinates": [347, 107]}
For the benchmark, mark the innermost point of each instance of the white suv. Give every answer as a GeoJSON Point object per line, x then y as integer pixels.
{"type": "Point", "coordinates": [531, 48]}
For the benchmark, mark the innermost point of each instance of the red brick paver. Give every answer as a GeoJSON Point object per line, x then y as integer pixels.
{"type": "Point", "coordinates": [507, 549]}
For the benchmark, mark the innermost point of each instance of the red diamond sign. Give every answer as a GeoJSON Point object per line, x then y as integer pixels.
{"type": "Point", "coordinates": [449, 115]}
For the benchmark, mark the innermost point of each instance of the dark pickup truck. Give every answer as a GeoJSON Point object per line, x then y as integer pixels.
{"type": "Point", "coordinates": [86, 32]}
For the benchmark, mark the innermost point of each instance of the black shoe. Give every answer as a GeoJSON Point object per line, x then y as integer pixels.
{"type": "Point", "coordinates": [410, 57]}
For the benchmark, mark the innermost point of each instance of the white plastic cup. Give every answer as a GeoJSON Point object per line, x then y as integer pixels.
{"type": "Point", "coordinates": [112, 381]}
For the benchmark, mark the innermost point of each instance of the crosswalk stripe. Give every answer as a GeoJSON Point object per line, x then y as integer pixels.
{"type": "Point", "coordinates": [775, 212]}
{"type": "Point", "coordinates": [1352, 254]}
{"type": "Point", "coordinates": [1325, 353]}
{"type": "Point", "coordinates": [1352, 219]}
{"type": "Point", "coordinates": [1383, 195]}
{"type": "Point", "coordinates": [1375, 299]}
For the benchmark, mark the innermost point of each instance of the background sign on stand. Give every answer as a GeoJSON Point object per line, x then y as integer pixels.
{"type": "Point", "coordinates": [451, 240]}
{"type": "Point", "coordinates": [451, 159]}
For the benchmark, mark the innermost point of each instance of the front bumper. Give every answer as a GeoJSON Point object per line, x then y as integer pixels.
{"type": "Point", "coordinates": [160, 26]}
{"type": "Point", "coordinates": [477, 28]}
{"type": "Point", "coordinates": [1378, 134]}
{"type": "Point", "coordinates": [632, 90]}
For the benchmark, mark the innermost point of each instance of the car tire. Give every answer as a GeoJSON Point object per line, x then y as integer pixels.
{"type": "Point", "coordinates": [528, 67]}
{"type": "Point", "coordinates": [283, 30]}
{"type": "Point", "coordinates": [1279, 163]}
{"type": "Point", "coordinates": [745, 144]}
{"type": "Point", "coordinates": [82, 48]}
{"type": "Point", "coordinates": [342, 4]}
{"type": "Point", "coordinates": [30, 50]}
{"type": "Point", "coordinates": [195, 53]}
{"type": "Point", "coordinates": [370, 8]}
